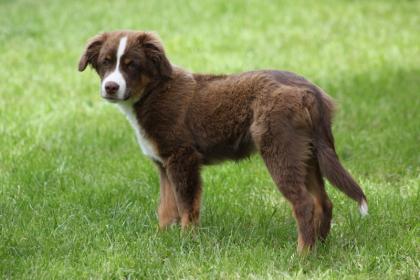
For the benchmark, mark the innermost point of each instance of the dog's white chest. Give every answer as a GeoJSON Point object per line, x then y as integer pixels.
{"type": "Point", "coordinates": [148, 148]}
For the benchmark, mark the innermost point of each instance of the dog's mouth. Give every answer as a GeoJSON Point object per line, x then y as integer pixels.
{"type": "Point", "coordinates": [114, 99]}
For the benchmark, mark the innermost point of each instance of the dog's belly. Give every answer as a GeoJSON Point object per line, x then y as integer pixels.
{"type": "Point", "coordinates": [228, 150]}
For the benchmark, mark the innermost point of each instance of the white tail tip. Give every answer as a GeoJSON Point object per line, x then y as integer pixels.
{"type": "Point", "coordinates": [363, 208]}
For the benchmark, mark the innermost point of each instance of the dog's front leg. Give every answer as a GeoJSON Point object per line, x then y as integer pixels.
{"type": "Point", "coordinates": [183, 170]}
{"type": "Point", "coordinates": [168, 209]}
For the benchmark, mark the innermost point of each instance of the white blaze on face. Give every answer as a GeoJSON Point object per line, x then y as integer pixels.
{"type": "Point", "coordinates": [116, 75]}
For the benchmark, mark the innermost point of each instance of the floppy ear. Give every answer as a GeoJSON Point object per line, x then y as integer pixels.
{"type": "Point", "coordinates": [157, 62]}
{"type": "Point", "coordinates": [91, 53]}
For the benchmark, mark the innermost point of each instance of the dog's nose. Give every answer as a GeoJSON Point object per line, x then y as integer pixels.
{"type": "Point", "coordinates": [111, 87]}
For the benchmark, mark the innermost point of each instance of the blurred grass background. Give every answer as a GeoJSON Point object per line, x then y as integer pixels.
{"type": "Point", "coordinates": [77, 198]}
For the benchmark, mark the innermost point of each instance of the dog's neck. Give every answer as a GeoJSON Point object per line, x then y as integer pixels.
{"type": "Point", "coordinates": [158, 110]}
{"type": "Point", "coordinates": [149, 90]}
{"type": "Point", "coordinates": [141, 116]}
{"type": "Point", "coordinates": [128, 108]}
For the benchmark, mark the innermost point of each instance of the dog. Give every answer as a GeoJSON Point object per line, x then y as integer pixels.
{"type": "Point", "coordinates": [184, 120]}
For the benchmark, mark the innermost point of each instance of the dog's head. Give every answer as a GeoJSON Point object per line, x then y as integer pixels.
{"type": "Point", "coordinates": [126, 62]}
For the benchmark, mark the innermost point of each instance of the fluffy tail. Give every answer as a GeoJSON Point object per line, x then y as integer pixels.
{"type": "Point", "coordinates": [329, 163]}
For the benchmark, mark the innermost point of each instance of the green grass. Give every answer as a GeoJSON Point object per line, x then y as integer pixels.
{"type": "Point", "coordinates": [78, 200]}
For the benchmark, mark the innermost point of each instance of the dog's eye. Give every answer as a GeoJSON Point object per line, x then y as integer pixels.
{"type": "Point", "coordinates": [131, 65]}
{"type": "Point", "coordinates": [107, 61]}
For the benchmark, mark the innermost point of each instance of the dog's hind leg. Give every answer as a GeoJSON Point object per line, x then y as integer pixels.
{"type": "Point", "coordinates": [323, 206]}
{"type": "Point", "coordinates": [168, 209]}
{"type": "Point", "coordinates": [183, 169]}
{"type": "Point", "coordinates": [289, 178]}
{"type": "Point", "coordinates": [285, 152]}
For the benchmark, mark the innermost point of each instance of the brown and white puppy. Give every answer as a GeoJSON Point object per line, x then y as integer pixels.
{"type": "Point", "coordinates": [184, 120]}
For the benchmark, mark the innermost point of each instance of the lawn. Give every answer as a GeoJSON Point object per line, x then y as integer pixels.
{"type": "Point", "coordinates": [78, 199]}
